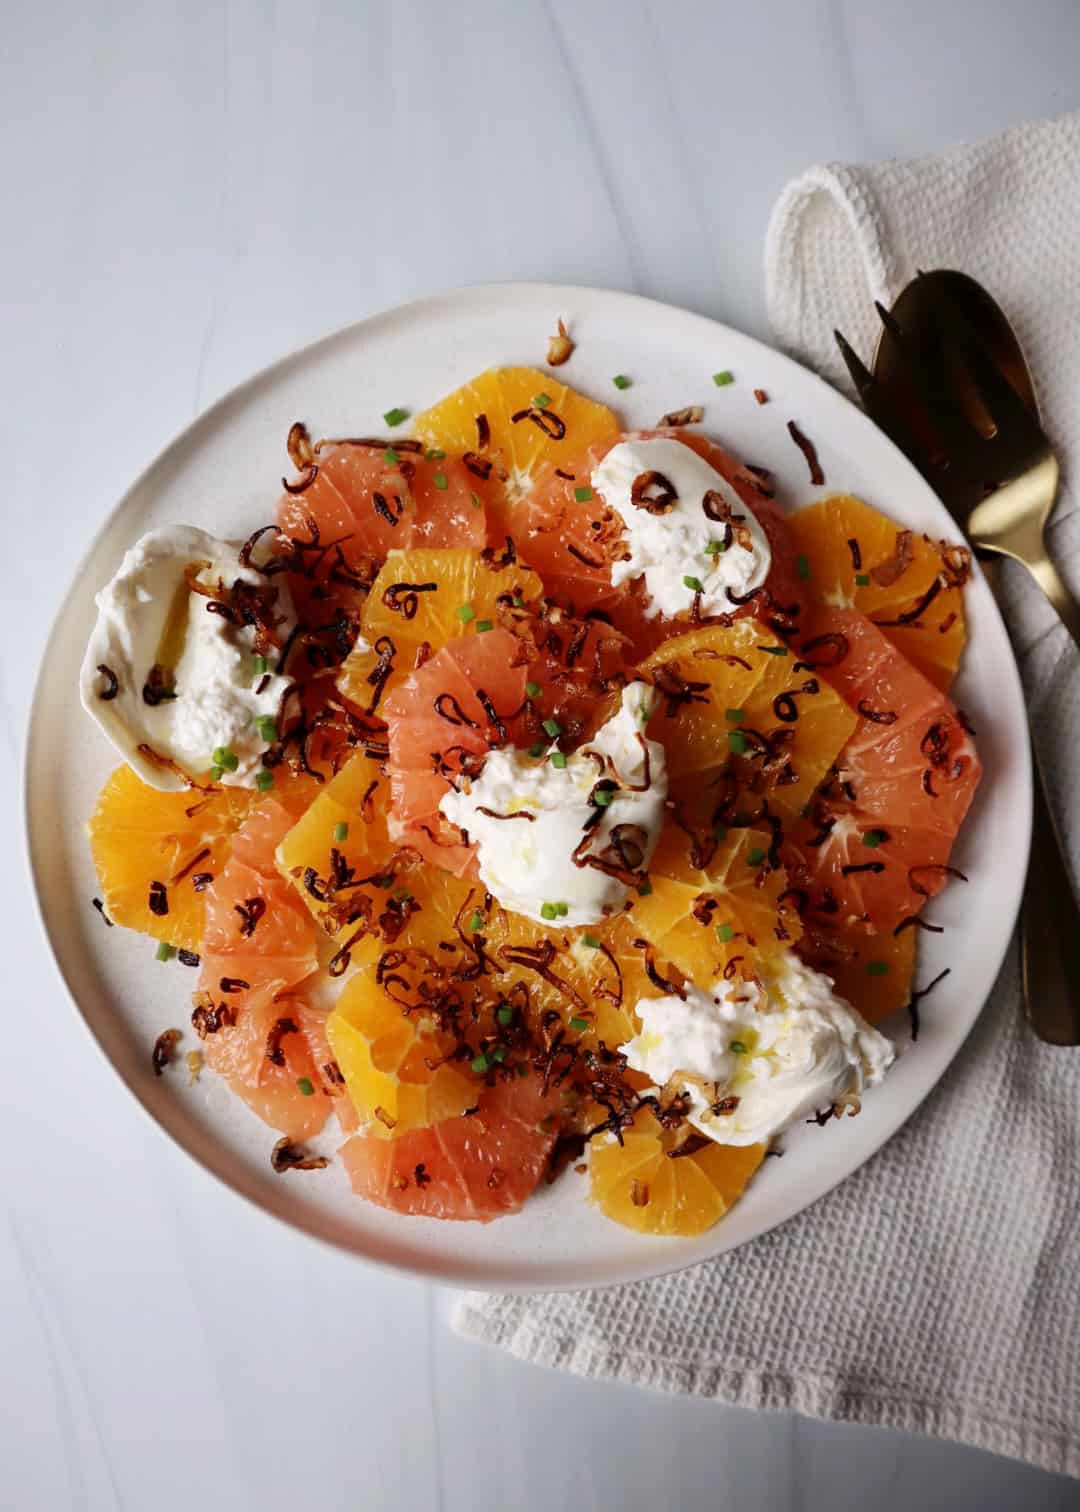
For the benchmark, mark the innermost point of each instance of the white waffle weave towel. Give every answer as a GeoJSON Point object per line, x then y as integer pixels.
{"type": "Point", "coordinates": [938, 1289]}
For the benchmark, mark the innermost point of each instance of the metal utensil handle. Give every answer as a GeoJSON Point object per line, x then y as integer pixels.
{"type": "Point", "coordinates": [1050, 948]}
{"type": "Point", "coordinates": [1057, 591]}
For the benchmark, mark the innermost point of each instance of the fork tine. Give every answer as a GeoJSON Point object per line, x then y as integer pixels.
{"type": "Point", "coordinates": [859, 373]}
{"type": "Point", "coordinates": [1003, 403]}
{"type": "Point", "coordinates": [933, 388]}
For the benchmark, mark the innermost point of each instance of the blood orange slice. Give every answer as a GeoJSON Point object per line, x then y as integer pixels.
{"type": "Point", "coordinates": [479, 1167]}
{"type": "Point", "coordinates": [254, 1004]}
{"type": "Point", "coordinates": [878, 842]}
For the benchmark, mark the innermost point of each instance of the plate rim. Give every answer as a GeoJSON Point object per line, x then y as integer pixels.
{"type": "Point", "coordinates": [297, 1219]}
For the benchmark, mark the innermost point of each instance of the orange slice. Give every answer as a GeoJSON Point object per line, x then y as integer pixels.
{"type": "Point", "coordinates": [872, 971]}
{"type": "Point", "coordinates": [720, 916]}
{"type": "Point", "coordinates": [140, 837]}
{"type": "Point", "coordinates": [531, 419]}
{"type": "Point", "coordinates": [639, 1185]}
{"type": "Point", "coordinates": [856, 557]}
{"type": "Point", "coordinates": [733, 705]}
{"type": "Point", "coordinates": [427, 598]}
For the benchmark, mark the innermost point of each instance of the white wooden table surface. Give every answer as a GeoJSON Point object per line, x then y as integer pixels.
{"type": "Point", "coordinates": [191, 189]}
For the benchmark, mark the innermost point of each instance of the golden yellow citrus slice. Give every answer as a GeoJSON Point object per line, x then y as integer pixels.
{"type": "Point", "coordinates": [639, 1184]}
{"type": "Point", "coordinates": [426, 597]}
{"type": "Point", "coordinates": [856, 557]}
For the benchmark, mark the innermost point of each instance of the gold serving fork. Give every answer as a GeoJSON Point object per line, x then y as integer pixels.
{"type": "Point", "coordinates": [951, 387]}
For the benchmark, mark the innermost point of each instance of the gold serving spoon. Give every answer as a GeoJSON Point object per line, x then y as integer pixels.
{"type": "Point", "coordinates": [951, 387]}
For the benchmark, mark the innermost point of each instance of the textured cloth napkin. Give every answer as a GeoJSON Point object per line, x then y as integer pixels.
{"type": "Point", "coordinates": [938, 1288]}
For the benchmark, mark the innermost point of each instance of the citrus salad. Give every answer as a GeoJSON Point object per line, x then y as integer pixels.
{"type": "Point", "coordinates": [534, 794]}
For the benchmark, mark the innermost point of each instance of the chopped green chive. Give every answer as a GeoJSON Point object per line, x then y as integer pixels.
{"type": "Point", "coordinates": [465, 613]}
{"type": "Point", "coordinates": [262, 665]}
{"type": "Point", "coordinates": [523, 1069]}
{"type": "Point", "coordinates": [542, 401]}
{"type": "Point", "coordinates": [737, 1047]}
{"type": "Point", "coordinates": [499, 1053]}
{"type": "Point", "coordinates": [558, 760]}
{"type": "Point", "coordinates": [395, 416]}
{"type": "Point", "coordinates": [723, 379]}
{"type": "Point", "coordinates": [537, 750]}
{"type": "Point", "coordinates": [305, 1086]}
{"type": "Point", "coordinates": [725, 932]}
{"type": "Point", "coordinates": [602, 797]}
{"type": "Point", "coordinates": [517, 601]}
{"type": "Point", "coordinates": [480, 1064]}
{"type": "Point", "coordinates": [341, 831]}
{"type": "Point", "coordinates": [433, 454]}
{"type": "Point", "coordinates": [774, 650]}
{"type": "Point", "coordinates": [714, 548]}
{"type": "Point", "coordinates": [533, 690]}
{"type": "Point", "coordinates": [621, 381]}
{"type": "Point", "coordinates": [483, 626]}
{"type": "Point", "coordinates": [719, 832]}
{"type": "Point", "coordinates": [217, 756]}
{"type": "Point", "coordinates": [264, 780]}
{"type": "Point", "coordinates": [266, 725]}
{"type": "Point", "coordinates": [862, 579]}
{"type": "Point", "coordinates": [548, 911]}
{"type": "Point", "coordinates": [737, 742]}
{"type": "Point", "coordinates": [694, 584]}
{"type": "Point", "coordinates": [583, 495]}
{"type": "Point", "coordinates": [505, 1014]}
{"type": "Point", "coordinates": [553, 728]}
{"type": "Point", "coordinates": [802, 566]}
{"type": "Point", "coordinates": [164, 952]}
{"type": "Point", "coordinates": [216, 773]}
{"type": "Point", "coordinates": [476, 923]}
{"type": "Point", "coordinates": [401, 892]}
{"type": "Point", "coordinates": [591, 941]}
{"type": "Point", "coordinates": [475, 497]}
{"type": "Point", "coordinates": [874, 838]}
{"type": "Point", "coordinates": [877, 968]}
{"type": "Point", "coordinates": [562, 909]}
{"type": "Point", "coordinates": [645, 889]}
{"type": "Point", "coordinates": [734, 716]}
{"type": "Point", "coordinates": [579, 1024]}
{"type": "Point", "coordinates": [391, 456]}
{"type": "Point", "coordinates": [755, 857]}
{"type": "Point", "coordinates": [441, 482]}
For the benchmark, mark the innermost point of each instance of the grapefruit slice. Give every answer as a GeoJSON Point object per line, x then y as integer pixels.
{"type": "Point", "coordinates": [571, 537]}
{"type": "Point", "coordinates": [738, 713]}
{"type": "Point", "coordinates": [877, 843]}
{"type": "Point", "coordinates": [908, 584]}
{"type": "Point", "coordinates": [639, 1185]}
{"type": "Point", "coordinates": [369, 498]}
{"type": "Point", "coordinates": [478, 1167]}
{"type": "Point", "coordinates": [426, 597]}
{"type": "Point", "coordinates": [467, 699]}
{"type": "Point", "coordinates": [519, 419]}
{"type": "Point", "coordinates": [253, 1004]}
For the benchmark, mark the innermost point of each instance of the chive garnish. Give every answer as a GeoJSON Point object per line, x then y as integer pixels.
{"type": "Point", "coordinates": [725, 932]}
{"type": "Point", "coordinates": [862, 579]}
{"type": "Point", "coordinates": [874, 837]}
{"type": "Point", "coordinates": [395, 416]}
{"type": "Point", "coordinates": [440, 481]}
{"type": "Point", "coordinates": [774, 650]}
{"type": "Point", "coordinates": [341, 831]}
{"type": "Point", "coordinates": [482, 626]}
{"type": "Point", "coordinates": [734, 716]}
{"type": "Point", "coordinates": [591, 941]}
{"type": "Point", "coordinates": [737, 742]}
{"type": "Point", "coordinates": [264, 780]}
{"type": "Point", "coordinates": [579, 1024]}
{"type": "Point", "coordinates": [802, 566]}
{"type": "Point", "coordinates": [433, 454]}
{"type": "Point", "coordinates": [737, 1047]}
{"type": "Point", "coordinates": [877, 968]}
{"type": "Point", "coordinates": [262, 666]}
{"type": "Point", "coordinates": [476, 923]}
{"type": "Point", "coordinates": [558, 760]}
{"type": "Point", "coordinates": [305, 1086]}
{"type": "Point", "coordinates": [533, 690]}
{"type": "Point", "coordinates": [755, 856]}
{"type": "Point", "coordinates": [164, 952]}
{"type": "Point", "coordinates": [583, 495]}
{"type": "Point", "coordinates": [602, 797]}
{"type": "Point", "coordinates": [723, 379]}
{"type": "Point", "coordinates": [465, 613]}
{"type": "Point", "coordinates": [621, 381]}
{"type": "Point", "coordinates": [480, 1064]}
{"type": "Point", "coordinates": [542, 401]}
{"type": "Point", "coordinates": [548, 911]}
{"type": "Point", "coordinates": [553, 728]}
{"type": "Point", "coordinates": [391, 456]}
{"type": "Point", "coordinates": [537, 750]}
{"type": "Point", "coordinates": [266, 725]}
{"type": "Point", "coordinates": [694, 584]}
{"type": "Point", "coordinates": [504, 1013]}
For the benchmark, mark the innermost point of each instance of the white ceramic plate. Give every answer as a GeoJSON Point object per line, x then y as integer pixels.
{"type": "Point", "coordinates": [222, 474]}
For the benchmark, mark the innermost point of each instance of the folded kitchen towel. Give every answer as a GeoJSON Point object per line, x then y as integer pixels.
{"type": "Point", "coordinates": [938, 1288]}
